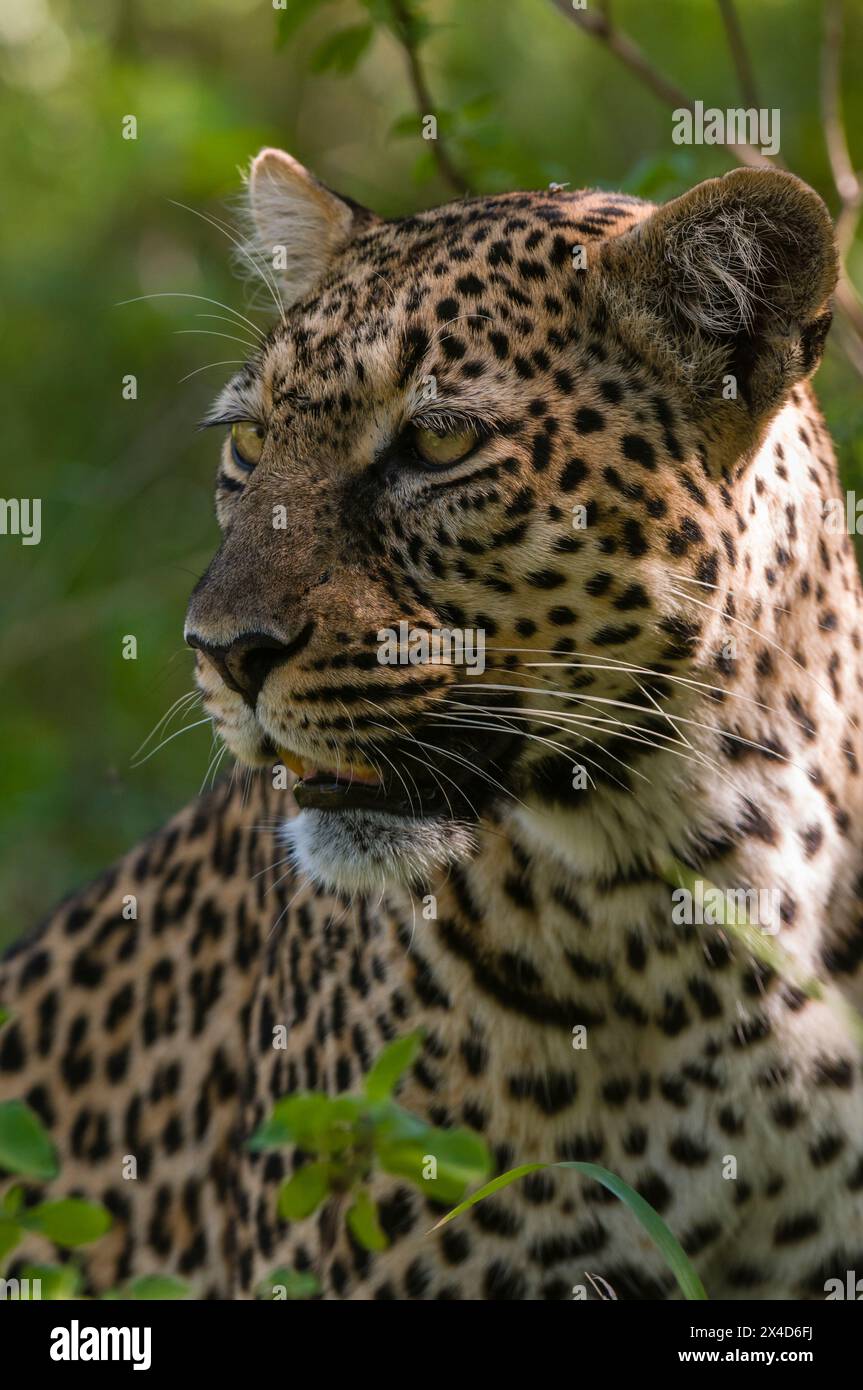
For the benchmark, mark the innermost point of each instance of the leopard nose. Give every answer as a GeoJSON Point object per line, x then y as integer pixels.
{"type": "Point", "coordinates": [245, 663]}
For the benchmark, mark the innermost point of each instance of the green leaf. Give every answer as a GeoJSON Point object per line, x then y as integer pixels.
{"type": "Point", "coordinates": [342, 51]}
{"type": "Point", "coordinates": [58, 1282]}
{"type": "Point", "coordinates": [70, 1221]}
{"type": "Point", "coordinates": [393, 1124]}
{"type": "Point", "coordinates": [462, 1158]}
{"type": "Point", "coordinates": [10, 1235]}
{"type": "Point", "coordinates": [381, 11]}
{"type": "Point", "coordinates": [409, 24]}
{"type": "Point", "coordinates": [13, 1200]}
{"type": "Point", "coordinates": [4, 1016]}
{"type": "Point", "coordinates": [296, 1284]}
{"type": "Point", "coordinates": [364, 1224]}
{"type": "Point", "coordinates": [390, 1066]}
{"type": "Point", "coordinates": [303, 1193]}
{"type": "Point", "coordinates": [661, 176]}
{"type": "Point", "coordinates": [344, 1111]}
{"type": "Point", "coordinates": [158, 1286]}
{"type": "Point", "coordinates": [408, 124]}
{"type": "Point", "coordinates": [270, 1135]}
{"type": "Point", "coordinates": [424, 167]}
{"type": "Point", "coordinates": [457, 1158]}
{"type": "Point", "coordinates": [289, 20]}
{"type": "Point", "coordinates": [25, 1146]}
{"type": "Point", "coordinates": [313, 1122]}
{"type": "Point", "coordinates": [302, 1119]}
{"type": "Point", "coordinates": [478, 108]}
{"type": "Point", "coordinates": [412, 124]}
{"type": "Point", "coordinates": [650, 1220]}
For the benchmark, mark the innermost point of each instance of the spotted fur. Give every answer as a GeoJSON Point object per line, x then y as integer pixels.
{"type": "Point", "coordinates": [694, 647]}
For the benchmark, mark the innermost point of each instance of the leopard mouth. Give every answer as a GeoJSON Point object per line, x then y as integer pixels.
{"type": "Point", "coordinates": [353, 788]}
{"type": "Point", "coordinates": [454, 781]}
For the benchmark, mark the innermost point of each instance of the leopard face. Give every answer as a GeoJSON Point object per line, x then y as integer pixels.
{"type": "Point", "coordinates": [507, 426]}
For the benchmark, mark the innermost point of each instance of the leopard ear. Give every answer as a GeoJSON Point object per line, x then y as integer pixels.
{"type": "Point", "coordinates": [730, 285]}
{"type": "Point", "coordinates": [299, 224]}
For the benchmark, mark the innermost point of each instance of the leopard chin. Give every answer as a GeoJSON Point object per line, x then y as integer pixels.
{"type": "Point", "coordinates": [359, 851]}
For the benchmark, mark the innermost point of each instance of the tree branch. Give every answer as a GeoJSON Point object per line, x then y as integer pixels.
{"type": "Point", "coordinates": [847, 300]}
{"type": "Point", "coordinates": [623, 47]}
{"type": "Point", "coordinates": [634, 58]}
{"type": "Point", "coordinates": [403, 21]}
{"type": "Point", "coordinates": [845, 178]}
{"type": "Point", "coordinates": [739, 53]}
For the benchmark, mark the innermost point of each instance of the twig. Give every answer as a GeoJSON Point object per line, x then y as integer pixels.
{"type": "Point", "coordinates": [847, 300]}
{"type": "Point", "coordinates": [851, 343]}
{"type": "Point", "coordinates": [737, 44]}
{"type": "Point", "coordinates": [632, 57]}
{"type": "Point", "coordinates": [845, 179]}
{"type": "Point", "coordinates": [623, 47]}
{"type": "Point", "coordinates": [422, 96]}
{"type": "Point", "coordinates": [844, 176]}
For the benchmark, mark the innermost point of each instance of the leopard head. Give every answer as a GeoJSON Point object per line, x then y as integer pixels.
{"type": "Point", "coordinates": [467, 478]}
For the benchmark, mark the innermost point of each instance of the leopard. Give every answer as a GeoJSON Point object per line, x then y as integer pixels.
{"type": "Point", "coordinates": [571, 436]}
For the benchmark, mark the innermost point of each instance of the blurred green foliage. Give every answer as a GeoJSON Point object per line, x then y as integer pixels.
{"type": "Point", "coordinates": [522, 96]}
{"type": "Point", "coordinates": [27, 1153]}
{"type": "Point", "coordinates": [348, 1139]}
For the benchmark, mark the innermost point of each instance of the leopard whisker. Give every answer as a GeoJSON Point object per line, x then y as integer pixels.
{"type": "Point", "coordinates": [212, 333]}
{"type": "Point", "coordinates": [225, 362]}
{"type": "Point", "coordinates": [777, 646]}
{"type": "Point", "coordinates": [424, 763]}
{"type": "Point", "coordinates": [262, 337]}
{"type": "Point", "coordinates": [719, 588]}
{"type": "Point", "coordinates": [455, 319]}
{"type": "Point", "coordinates": [627, 704]}
{"type": "Point", "coordinates": [214, 764]}
{"type": "Point", "coordinates": [304, 883]}
{"type": "Point", "coordinates": [391, 764]}
{"type": "Point", "coordinates": [626, 668]}
{"type": "Point", "coordinates": [268, 868]}
{"type": "Point", "coordinates": [550, 743]}
{"type": "Point", "coordinates": [584, 722]}
{"type": "Point", "coordinates": [378, 750]}
{"type": "Point", "coordinates": [576, 721]}
{"type": "Point", "coordinates": [400, 724]}
{"type": "Point", "coordinates": [661, 675]}
{"type": "Point", "coordinates": [182, 701]}
{"type": "Point", "coordinates": [188, 728]}
{"type": "Point", "coordinates": [180, 294]}
{"type": "Point", "coordinates": [227, 231]}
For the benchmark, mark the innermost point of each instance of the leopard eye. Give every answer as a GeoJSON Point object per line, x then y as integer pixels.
{"type": "Point", "coordinates": [443, 449]}
{"type": "Point", "coordinates": [247, 442]}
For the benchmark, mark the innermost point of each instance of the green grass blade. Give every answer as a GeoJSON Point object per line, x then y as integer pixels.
{"type": "Point", "coordinates": [768, 950]}
{"type": "Point", "coordinates": [650, 1221]}
{"type": "Point", "coordinates": [663, 1238]}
